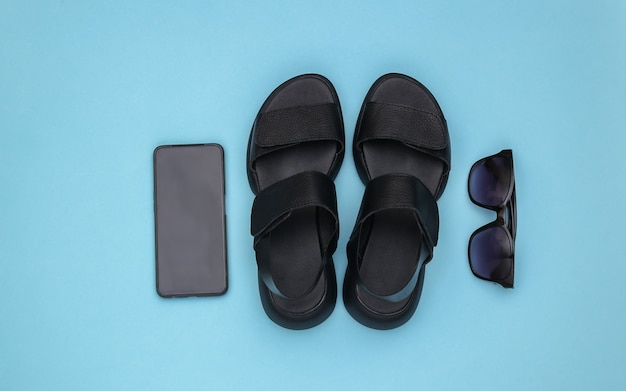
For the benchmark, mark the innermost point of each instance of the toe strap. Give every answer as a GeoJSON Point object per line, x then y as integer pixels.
{"type": "Point", "coordinates": [274, 205]}
{"type": "Point", "coordinates": [396, 122]}
{"type": "Point", "coordinates": [278, 129]}
{"type": "Point", "coordinates": [396, 191]}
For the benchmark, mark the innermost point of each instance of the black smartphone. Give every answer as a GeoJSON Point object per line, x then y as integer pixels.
{"type": "Point", "coordinates": [190, 220]}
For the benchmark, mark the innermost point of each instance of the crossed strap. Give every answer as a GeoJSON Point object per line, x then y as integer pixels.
{"type": "Point", "coordinates": [282, 128]}
{"type": "Point", "coordinates": [397, 191]}
{"type": "Point", "coordinates": [275, 204]}
{"type": "Point", "coordinates": [418, 129]}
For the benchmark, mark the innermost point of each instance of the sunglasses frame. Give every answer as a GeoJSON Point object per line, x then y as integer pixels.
{"type": "Point", "coordinates": [506, 217]}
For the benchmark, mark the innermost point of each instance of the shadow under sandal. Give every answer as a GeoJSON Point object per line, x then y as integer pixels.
{"type": "Point", "coordinates": [294, 153]}
{"type": "Point", "coordinates": [402, 153]}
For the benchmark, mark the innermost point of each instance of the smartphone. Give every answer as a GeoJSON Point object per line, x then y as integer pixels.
{"type": "Point", "coordinates": [190, 220]}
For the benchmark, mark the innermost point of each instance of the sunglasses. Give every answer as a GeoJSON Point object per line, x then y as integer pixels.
{"type": "Point", "coordinates": [491, 185]}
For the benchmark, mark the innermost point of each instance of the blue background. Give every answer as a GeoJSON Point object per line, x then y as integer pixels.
{"type": "Point", "coordinates": [89, 89]}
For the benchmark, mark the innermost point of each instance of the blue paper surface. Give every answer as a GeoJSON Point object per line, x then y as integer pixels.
{"type": "Point", "coordinates": [89, 89]}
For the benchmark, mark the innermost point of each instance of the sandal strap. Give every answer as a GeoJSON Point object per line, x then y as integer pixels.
{"type": "Point", "coordinates": [274, 204]}
{"type": "Point", "coordinates": [396, 122]}
{"type": "Point", "coordinates": [282, 128]}
{"type": "Point", "coordinates": [397, 191]}
{"type": "Point", "coordinates": [401, 191]}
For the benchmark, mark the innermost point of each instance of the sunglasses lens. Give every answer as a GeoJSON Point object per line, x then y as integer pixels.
{"type": "Point", "coordinates": [491, 253]}
{"type": "Point", "coordinates": [490, 181]}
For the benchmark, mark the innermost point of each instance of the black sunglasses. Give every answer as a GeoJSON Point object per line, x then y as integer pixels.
{"type": "Point", "coordinates": [491, 185]}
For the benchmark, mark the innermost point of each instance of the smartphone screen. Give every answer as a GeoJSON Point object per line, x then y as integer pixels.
{"type": "Point", "coordinates": [190, 220]}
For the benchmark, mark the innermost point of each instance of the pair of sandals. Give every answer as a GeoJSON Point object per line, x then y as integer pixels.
{"type": "Point", "coordinates": [402, 153]}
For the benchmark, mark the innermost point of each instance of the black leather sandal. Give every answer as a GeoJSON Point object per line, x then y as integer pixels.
{"type": "Point", "coordinates": [402, 153]}
{"type": "Point", "coordinates": [295, 150]}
